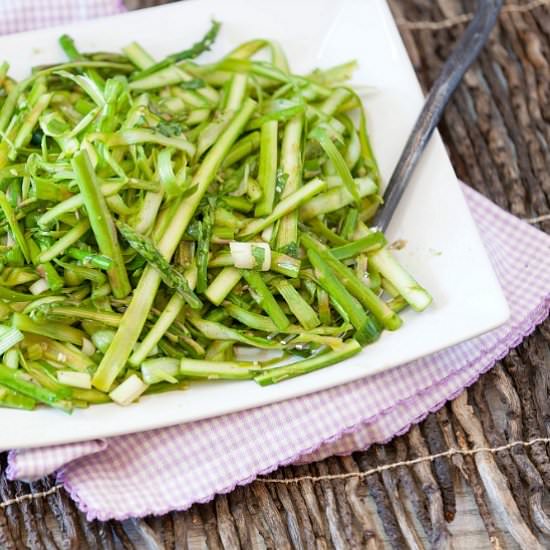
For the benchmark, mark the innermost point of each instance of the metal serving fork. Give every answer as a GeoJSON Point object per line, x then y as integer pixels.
{"type": "Point", "coordinates": [463, 55]}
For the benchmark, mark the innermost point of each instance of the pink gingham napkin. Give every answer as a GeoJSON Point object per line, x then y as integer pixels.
{"type": "Point", "coordinates": [172, 468]}
{"type": "Point", "coordinates": [24, 15]}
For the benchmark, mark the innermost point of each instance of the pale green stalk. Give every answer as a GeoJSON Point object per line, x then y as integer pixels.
{"type": "Point", "coordinates": [267, 175]}
{"type": "Point", "coordinates": [384, 262]}
{"type": "Point", "coordinates": [291, 165]}
{"type": "Point", "coordinates": [336, 198]}
{"type": "Point", "coordinates": [102, 223]}
{"type": "Point", "coordinates": [222, 285]}
{"type": "Point", "coordinates": [284, 207]}
{"type": "Point", "coordinates": [71, 237]}
{"type": "Point", "coordinates": [161, 326]}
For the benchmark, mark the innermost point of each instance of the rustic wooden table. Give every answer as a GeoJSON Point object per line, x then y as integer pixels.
{"type": "Point", "coordinates": [497, 130]}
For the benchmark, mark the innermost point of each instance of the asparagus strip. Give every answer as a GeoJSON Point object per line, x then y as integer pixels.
{"type": "Point", "coordinates": [15, 380]}
{"type": "Point", "coordinates": [251, 319]}
{"type": "Point", "coordinates": [417, 297]}
{"type": "Point", "coordinates": [217, 370]}
{"type": "Point", "coordinates": [174, 279]}
{"type": "Point", "coordinates": [190, 53]}
{"type": "Point", "coordinates": [165, 320]}
{"type": "Point", "coordinates": [268, 167]}
{"type": "Point", "coordinates": [102, 223]}
{"type": "Point", "coordinates": [372, 242]}
{"type": "Point", "coordinates": [87, 257]}
{"type": "Point", "coordinates": [336, 198]}
{"type": "Point", "coordinates": [14, 400]}
{"type": "Point", "coordinates": [291, 165]}
{"type": "Point", "coordinates": [285, 206]}
{"type": "Point", "coordinates": [265, 299]}
{"type": "Point", "coordinates": [53, 330]}
{"type": "Point", "coordinates": [60, 353]}
{"type": "Point", "coordinates": [108, 318]}
{"type": "Point", "coordinates": [74, 203]}
{"type": "Point", "coordinates": [222, 285]}
{"type": "Point", "coordinates": [217, 331]}
{"type": "Point", "coordinates": [242, 149]}
{"type": "Point", "coordinates": [338, 161]}
{"type": "Point", "coordinates": [71, 237]}
{"type": "Point", "coordinates": [299, 307]}
{"type": "Point", "coordinates": [14, 226]}
{"type": "Point", "coordinates": [277, 374]}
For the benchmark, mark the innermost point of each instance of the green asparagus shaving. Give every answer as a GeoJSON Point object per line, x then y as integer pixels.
{"type": "Point", "coordinates": [339, 163]}
{"type": "Point", "coordinates": [371, 243]}
{"type": "Point", "coordinates": [203, 249]}
{"type": "Point", "coordinates": [60, 353]}
{"type": "Point", "coordinates": [323, 231]}
{"type": "Point", "coordinates": [108, 318]}
{"type": "Point", "coordinates": [222, 285]}
{"type": "Point", "coordinates": [350, 223]}
{"type": "Point", "coordinates": [69, 47]}
{"type": "Point", "coordinates": [251, 319]}
{"type": "Point", "coordinates": [195, 50]}
{"type": "Point", "coordinates": [218, 370]}
{"type": "Point", "coordinates": [71, 51]}
{"type": "Point", "coordinates": [287, 205]}
{"type": "Point", "coordinates": [277, 374]}
{"type": "Point", "coordinates": [267, 171]}
{"type": "Point", "coordinates": [265, 298]}
{"type": "Point", "coordinates": [217, 331]}
{"type": "Point", "coordinates": [141, 136]}
{"type": "Point", "coordinates": [163, 323]}
{"type": "Point", "coordinates": [14, 226]}
{"type": "Point", "coordinates": [67, 240]}
{"type": "Point", "coordinates": [291, 165]}
{"type": "Point", "coordinates": [9, 337]}
{"type": "Point", "coordinates": [415, 295]}
{"type": "Point", "coordinates": [15, 296]}
{"type": "Point", "coordinates": [83, 272]}
{"type": "Point", "coordinates": [14, 400]}
{"type": "Point", "coordinates": [299, 307]}
{"type": "Point", "coordinates": [18, 382]}
{"type": "Point", "coordinates": [171, 277]}
{"type": "Point", "coordinates": [244, 147]}
{"type": "Point", "coordinates": [158, 215]}
{"type": "Point", "coordinates": [102, 223]}
{"type": "Point", "coordinates": [336, 198]}
{"type": "Point", "coordinates": [90, 258]}
{"type": "Point", "coordinates": [53, 330]}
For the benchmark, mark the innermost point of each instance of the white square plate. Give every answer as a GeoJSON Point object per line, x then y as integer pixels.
{"type": "Point", "coordinates": [444, 250]}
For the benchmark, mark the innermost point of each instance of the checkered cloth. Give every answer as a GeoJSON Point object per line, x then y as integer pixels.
{"type": "Point", "coordinates": [23, 15]}
{"type": "Point", "coordinates": [172, 468]}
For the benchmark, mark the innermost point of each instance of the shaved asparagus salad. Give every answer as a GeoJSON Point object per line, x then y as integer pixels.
{"type": "Point", "coordinates": [160, 217]}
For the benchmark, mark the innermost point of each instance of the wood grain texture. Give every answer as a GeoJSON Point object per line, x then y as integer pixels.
{"type": "Point", "coordinates": [497, 131]}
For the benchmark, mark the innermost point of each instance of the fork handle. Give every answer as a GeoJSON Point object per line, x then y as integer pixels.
{"type": "Point", "coordinates": [463, 55]}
